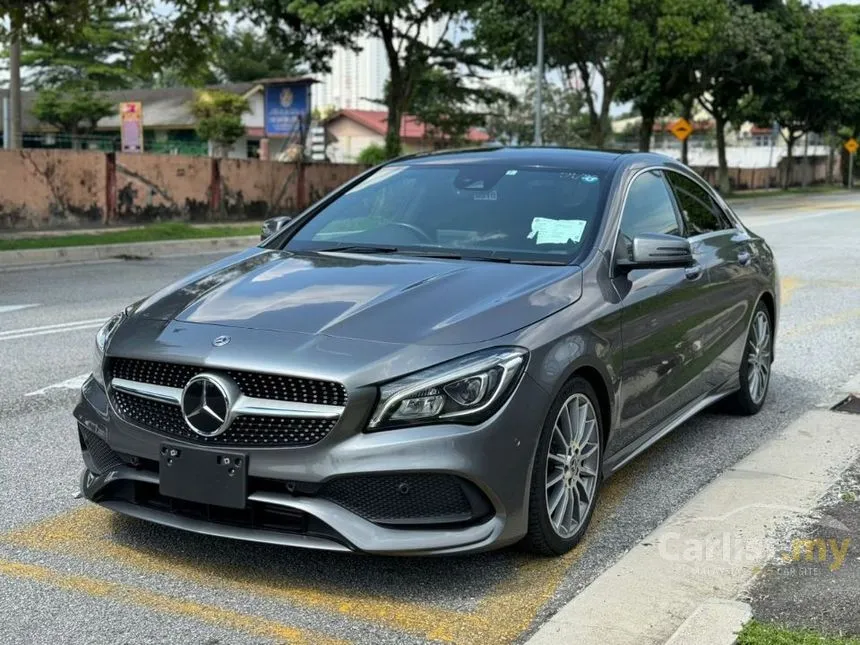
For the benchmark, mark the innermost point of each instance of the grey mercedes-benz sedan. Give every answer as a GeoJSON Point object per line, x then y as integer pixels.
{"type": "Point", "coordinates": [450, 353]}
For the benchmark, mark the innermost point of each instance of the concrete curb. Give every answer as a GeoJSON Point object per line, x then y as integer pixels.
{"type": "Point", "coordinates": [715, 544]}
{"type": "Point", "coordinates": [715, 622]}
{"type": "Point", "coordinates": [101, 252]}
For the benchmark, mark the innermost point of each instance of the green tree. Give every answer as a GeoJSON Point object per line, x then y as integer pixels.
{"type": "Point", "coordinates": [564, 121]}
{"type": "Point", "coordinates": [219, 118]}
{"type": "Point", "coordinates": [735, 65]}
{"type": "Point", "coordinates": [450, 106]}
{"type": "Point", "coordinates": [245, 56]}
{"type": "Point", "coordinates": [597, 41]}
{"type": "Point", "coordinates": [663, 73]}
{"type": "Point", "coordinates": [101, 53]}
{"type": "Point", "coordinates": [805, 95]}
{"type": "Point", "coordinates": [177, 32]}
{"type": "Point", "coordinates": [372, 155]}
{"type": "Point", "coordinates": [73, 110]}
{"type": "Point", "coordinates": [401, 25]}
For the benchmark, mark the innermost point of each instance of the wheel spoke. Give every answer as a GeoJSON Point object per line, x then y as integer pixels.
{"type": "Point", "coordinates": [568, 515]}
{"type": "Point", "coordinates": [585, 454]}
{"type": "Point", "coordinates": [571, 420]}
{"type": "Point", "coordinates": [754, 384]}
{"type": "Point", "coordinates": [566, 427]}
{"type": "Point", "coordinates": [557, 478]}
{"type": "Point", "coordinates": [588, 472]}
{"type": "Point", "coordinates": [576, 503]}
{"type": "Point", "coordinates": [584, 493]}
{"type": "Point", "coordinates": [581, 423]}
{"type": "Point", "coordinates": [559, 459]}
{"type": "Point", "coordinates": [562, 509]}
{"type": "Point", "coordinates": [556, 499]}
{"type": "Point", "coordinates": [558, 432]}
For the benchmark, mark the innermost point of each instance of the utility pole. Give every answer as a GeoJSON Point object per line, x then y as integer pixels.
{"type": "Point", "coordinates": [539, 84]}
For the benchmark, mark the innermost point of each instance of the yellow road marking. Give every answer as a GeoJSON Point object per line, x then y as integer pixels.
{"type": "Point", "coordinates": [87, 532]}
{"type": "Point", "coordinates": [501, 616]}
{"type": "Point", "coordinates": [254, 625]}
{"type": "Point", "coordinates": [829, 321]}
{"type": "Point", "coordinates": [787, 287]}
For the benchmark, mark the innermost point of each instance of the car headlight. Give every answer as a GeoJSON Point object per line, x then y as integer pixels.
{"type": "Point", "coordinates": [102, 337]}
{"type": "Point", "coordinates": [466, 390]}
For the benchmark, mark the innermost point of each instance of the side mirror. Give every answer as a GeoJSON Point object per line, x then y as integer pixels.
{"type": "Point", "coordinates": [273, 225]}
{"type": "Point", "coordinates": [658, 251]}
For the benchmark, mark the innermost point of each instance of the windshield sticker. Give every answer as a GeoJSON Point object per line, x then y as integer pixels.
{"type": "Point", "coordinates": [490, 196]}
{"type": "Point", "coordinates": [511, 172]}
{"type": "Point", "coordinates": [556, 231]}
{"type": "Point", "coordinates": [589, 179]}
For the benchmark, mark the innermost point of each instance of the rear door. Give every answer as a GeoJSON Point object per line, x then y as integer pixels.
{"type": "Point", "coordinates": [662, 311]}
{"type": "Point", "coordinates": [727, 257]}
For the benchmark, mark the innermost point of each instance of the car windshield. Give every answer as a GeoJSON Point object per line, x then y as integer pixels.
{"type": "Point", "coordinates": [469, 210]}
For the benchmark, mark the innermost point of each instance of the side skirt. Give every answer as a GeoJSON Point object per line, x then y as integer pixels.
{"type": "Point", "coordinates": [628, 453]}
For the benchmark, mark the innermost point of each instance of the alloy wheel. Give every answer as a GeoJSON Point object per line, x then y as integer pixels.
{"type": "Point", "coordinates": [759, 357]}
{"type": "Point", "coordinates": [572, 465]}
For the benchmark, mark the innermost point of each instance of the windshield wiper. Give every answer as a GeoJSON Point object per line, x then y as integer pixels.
{"type": "Point", "coordinates": [359, 248]}
{"type": "Point", "coordinates": [447, 255]}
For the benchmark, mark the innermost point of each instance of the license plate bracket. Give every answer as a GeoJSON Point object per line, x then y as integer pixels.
{"type": "Point", "coordinates": [206, 476]}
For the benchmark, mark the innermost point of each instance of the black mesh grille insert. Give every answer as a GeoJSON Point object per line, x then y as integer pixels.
{"type": "Point", "coordinates": [104, 459]}
{"type": "Point", "coordinates": [255, 384]}
{"type": "Point", "coordinates": [411, 497]}
{"type": "Point", "coordinates": [245, 431]}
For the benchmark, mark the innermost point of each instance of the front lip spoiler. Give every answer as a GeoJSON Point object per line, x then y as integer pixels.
{"type": "Point", "coordinates": [360, 534]}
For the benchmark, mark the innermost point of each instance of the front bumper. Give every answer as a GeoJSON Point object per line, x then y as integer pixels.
{"type": "Point", "coordinates": [494, 459]}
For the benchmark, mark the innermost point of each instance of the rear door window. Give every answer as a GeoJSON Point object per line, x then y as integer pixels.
{"type": "Point", "coordinates": [700, 211]}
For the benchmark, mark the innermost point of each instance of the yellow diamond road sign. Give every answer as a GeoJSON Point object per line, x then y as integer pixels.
{"type": "Point", "coordinates": [681, 129]}
{"type": "Point", "coordinates": [851, 146]}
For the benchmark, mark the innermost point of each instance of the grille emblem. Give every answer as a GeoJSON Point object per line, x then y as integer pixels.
{"type": "Point", "coordinates": [207, 404]}
{"type": "Point", "coordinates": [220, 341]}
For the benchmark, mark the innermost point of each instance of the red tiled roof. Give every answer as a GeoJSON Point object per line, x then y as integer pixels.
{"type": "Point", "coordinates": [410, 127]}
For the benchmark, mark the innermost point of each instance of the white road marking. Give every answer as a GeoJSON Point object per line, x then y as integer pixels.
{"type": "Point", "coordinates": [7, 308]}
{"type": "Point", "coordinates": [73, 383]}
{"type": "Point", "coordinates": [27, 332]}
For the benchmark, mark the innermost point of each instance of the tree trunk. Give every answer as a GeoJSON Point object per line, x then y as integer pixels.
{"type": "Point", "coordinates": [789, 162]}
{"type": "Point", "coordinates": [685, 144]}
{"type": "Point", "coordinates": [830, 158]}
{"type": "Point", "coordinates": [722, 165]}
{"type": "Point", "coordinates": [646, 129]}
{"type": "Point", "coordinates": [804, 179]}
{"type": "Point", "coordinates": [15, 135]}
{"type": "Point", "coordinates": [392, 134]}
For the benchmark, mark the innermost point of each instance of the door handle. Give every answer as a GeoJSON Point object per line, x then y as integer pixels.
{"type": "Point", "coordinates": [693, 272]}
{"type": "Point", "coordinates": [744, 258]}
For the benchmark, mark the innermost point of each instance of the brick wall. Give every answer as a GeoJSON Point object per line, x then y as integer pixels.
{"type": "Point", "coordinates": [64, 188]}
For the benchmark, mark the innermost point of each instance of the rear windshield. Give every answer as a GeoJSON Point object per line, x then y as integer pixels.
{"type": "Point", "coordinates": [498, 211]}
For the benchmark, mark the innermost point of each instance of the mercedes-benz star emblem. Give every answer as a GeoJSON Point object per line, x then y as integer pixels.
{"type": "Point", "coordinates": [220, 341]}
{"type": "Point", "coordinates": [206, 404]}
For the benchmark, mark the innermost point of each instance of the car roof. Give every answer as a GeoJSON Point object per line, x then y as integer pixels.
{"type": "Point", "coordinates": [540, 156]}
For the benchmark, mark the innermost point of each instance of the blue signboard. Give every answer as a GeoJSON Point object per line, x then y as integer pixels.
{"type": "Point", "coordinates": [288, 106]}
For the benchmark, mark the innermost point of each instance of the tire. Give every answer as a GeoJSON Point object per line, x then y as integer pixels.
{"type": "Point", "coordinates": [755, 364]}
{"type": "Point", "coordinates": [579, 467]}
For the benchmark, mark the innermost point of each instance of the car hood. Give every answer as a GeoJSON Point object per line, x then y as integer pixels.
{"type": "Point", "coordinates": [377, 298]}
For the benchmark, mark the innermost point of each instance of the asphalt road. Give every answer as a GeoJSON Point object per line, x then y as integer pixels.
{"type": "Point", "coordinates": [71, 572]}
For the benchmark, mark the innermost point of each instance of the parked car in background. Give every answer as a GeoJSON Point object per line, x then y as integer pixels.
{"type": "Point", "coordinates": [448, 354]}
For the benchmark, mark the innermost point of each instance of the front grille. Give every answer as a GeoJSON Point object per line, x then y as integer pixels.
{"type": "Point", "coordinates": [255, 384]}
{"type": "Point", "coordinates": [411, 498]}
{"type": "Point", "coordinates": [245, 431]}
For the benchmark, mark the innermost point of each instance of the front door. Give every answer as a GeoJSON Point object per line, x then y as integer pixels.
{"type": "Point", "coordinates": [662, 311]}
{"type": "Point", "coordinates": [732, 284]}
